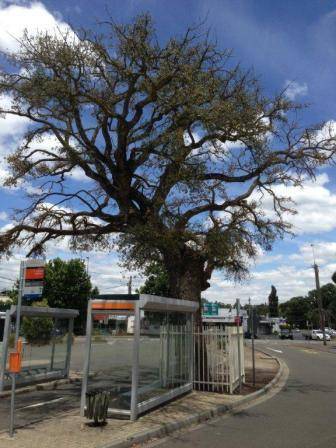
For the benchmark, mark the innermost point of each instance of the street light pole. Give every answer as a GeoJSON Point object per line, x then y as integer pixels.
{"type": "Point", "coordinates": [319, 298]}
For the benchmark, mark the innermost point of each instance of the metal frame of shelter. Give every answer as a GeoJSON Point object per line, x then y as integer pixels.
{"type": "Point", "coordinates": [31, 311]}
{"type": "Point", "coordinates": [132, 305]}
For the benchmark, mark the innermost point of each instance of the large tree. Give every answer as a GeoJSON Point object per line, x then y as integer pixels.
{"type": "Point", "coordinates": [177, 146]}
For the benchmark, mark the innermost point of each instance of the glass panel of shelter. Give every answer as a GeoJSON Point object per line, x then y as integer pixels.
{"type": "Point", "coordinates": [111, 358]}
{"type": "Point", "coordinates": [140, 370]}
{"type": "Point", "coordinates": [164, 353]}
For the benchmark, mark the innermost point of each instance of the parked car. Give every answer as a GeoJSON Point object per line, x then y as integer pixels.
{"type": "Point", "coordinates": [331, 332]}
{"type": "Point", "coordinates": [285, 333]}
{"type": "Point", "coordinates": [315, 335]}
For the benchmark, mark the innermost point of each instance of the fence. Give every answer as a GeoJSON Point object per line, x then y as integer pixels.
{"type": "Point", "coordinates": [216, 358]}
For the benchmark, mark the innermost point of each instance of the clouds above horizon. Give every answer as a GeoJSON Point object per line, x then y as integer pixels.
{"type": "Point", "coordinates": [295, 89]}
{"type": "Point", "coordinates": [33, 17]}
{"type": "Point", "coordinates": [312, 201]}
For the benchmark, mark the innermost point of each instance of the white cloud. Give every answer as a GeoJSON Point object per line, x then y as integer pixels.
{"type": "Point", "coordinates": [295, 89]}
{"type": "Point", "coordinates": [11, 126]}
{"type": "Point", "coordinates": [324, 251]}
{"type": "Point", "coordinates": [314, 202]}
{"type": "Point", "coordinates": [287, 278]}
{"type": "Point", "coordinates": [12, 129]}
{"type": "Point", "coordinates": [34, 18]}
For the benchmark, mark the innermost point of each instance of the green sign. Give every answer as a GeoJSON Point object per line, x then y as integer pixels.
{"type": "Point", "coordinates": [210, 309]}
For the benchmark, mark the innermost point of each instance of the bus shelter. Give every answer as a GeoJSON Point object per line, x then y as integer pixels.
{"type": "Point", "coordinates": [46, 358]}
{"type": "Point", "coordinates": [139, 348]}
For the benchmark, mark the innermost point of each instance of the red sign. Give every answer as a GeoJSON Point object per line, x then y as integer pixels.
{"type": "Point", "coordinates": [99, 316]}
{"type": "Point", "coordinates": [238, 320]}
{"type": "Point", "coordinates": [35, 273]}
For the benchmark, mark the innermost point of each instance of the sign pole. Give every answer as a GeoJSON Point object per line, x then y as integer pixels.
{"type": "Point", "coordinates": [238, 344]}
{"type": "Point", "coordinates": [252, 340]}
{"type": "Point", "coordinates": [19, 304]}
{"type": "Point", "coordinates": [12, 407]}
{"type": "Point", "coordinates": [17, 334]}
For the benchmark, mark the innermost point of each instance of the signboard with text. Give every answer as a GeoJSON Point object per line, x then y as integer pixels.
{"type": "Point", "coordinates": [34, 272]}
{"type": "Point", "coordinates": [210, 309]}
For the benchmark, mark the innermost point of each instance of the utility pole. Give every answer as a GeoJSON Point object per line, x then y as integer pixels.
{"type": "Point", "coordinates": [129, 284]}
{"type": "Point", "coordinates": [252, 340]}
{"type": "Point", "coordinates": [319, 297]}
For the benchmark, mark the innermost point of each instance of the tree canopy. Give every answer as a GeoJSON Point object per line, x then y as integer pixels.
{"type": "Point", "coordinates": [177, 145]}
{"type": "Point", "coordinates": [302, 310]}
{"type": "Point", "coordinates": [68, 285]}
{"type": "Point", "coordinates": [273, 302]}
{"type": "Point", "coordinates": [156, 282]}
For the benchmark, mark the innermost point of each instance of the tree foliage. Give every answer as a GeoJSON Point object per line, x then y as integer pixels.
{"type": "Point", "coordinates": [300, 310]}
{"type": "Point", "coordinates": [68, 285]}
{"type": "Point", "coordinates": [297, 311]}
{"type": "Point", "coordinates": [37, 330]}
{"type": "Point", "coordinates": [178, 146]}
{"type": "Point", "coordinates": [156, 282]}
{"type": "Point", "coordinates": [273, 303]}
{"type": "Point", "coordinates": [262, 309]}
{"type": "Point", "coordinates": [5, 305]}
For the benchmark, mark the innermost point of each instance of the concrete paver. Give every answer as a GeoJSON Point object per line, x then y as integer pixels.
{"type": "Point", "coordinates": [70, 430]}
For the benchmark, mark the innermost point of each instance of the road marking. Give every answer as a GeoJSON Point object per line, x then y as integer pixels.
{"type": "Point", "coordinates": [37, 405]}
{"type": "Point", "coordinates": [309, 350]}
{"type": "Point", "coordinates": [273, 350]}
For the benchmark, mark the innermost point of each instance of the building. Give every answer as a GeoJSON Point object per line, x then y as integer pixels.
{"type": "Point", "coordinates": [270, 325]}
{"type": "Point", "coordinates": [226, 317]}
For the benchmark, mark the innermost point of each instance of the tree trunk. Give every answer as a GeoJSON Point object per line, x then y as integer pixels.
{"type": "Point", "coordinates": [187, 279]}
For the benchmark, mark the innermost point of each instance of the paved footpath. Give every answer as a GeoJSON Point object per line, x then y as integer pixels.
{"type": "Point", "coordinates": [69, 430]}
{"type": "Point", "coordinates": [301, 415]}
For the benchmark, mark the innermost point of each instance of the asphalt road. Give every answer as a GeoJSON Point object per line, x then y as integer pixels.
{"type": "Point", "coordinates": [301, 415]}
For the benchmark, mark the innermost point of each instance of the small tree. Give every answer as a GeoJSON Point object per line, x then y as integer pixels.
{"type": "Point", "coordinates": [262, 309]}
{"type": "Point", "coordinates": [157, 281]}
{"type": "Point", "coordinates": [273, 303]}
{"type": "Point", "coordinates": [299, 310]}
{"type": "Point", "coordinates": [5, 305]}
{"type": "Point", "coordinates": [37, 330]}
{"type": "Point", "coordinates": [68, 285]}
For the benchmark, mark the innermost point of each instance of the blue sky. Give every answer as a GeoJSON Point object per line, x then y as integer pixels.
{"type": "Point", "coordinates": [283, 42]}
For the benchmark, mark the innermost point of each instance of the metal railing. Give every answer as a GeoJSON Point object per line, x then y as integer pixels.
{"type": "Point", "coordinates": [216, 358]}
